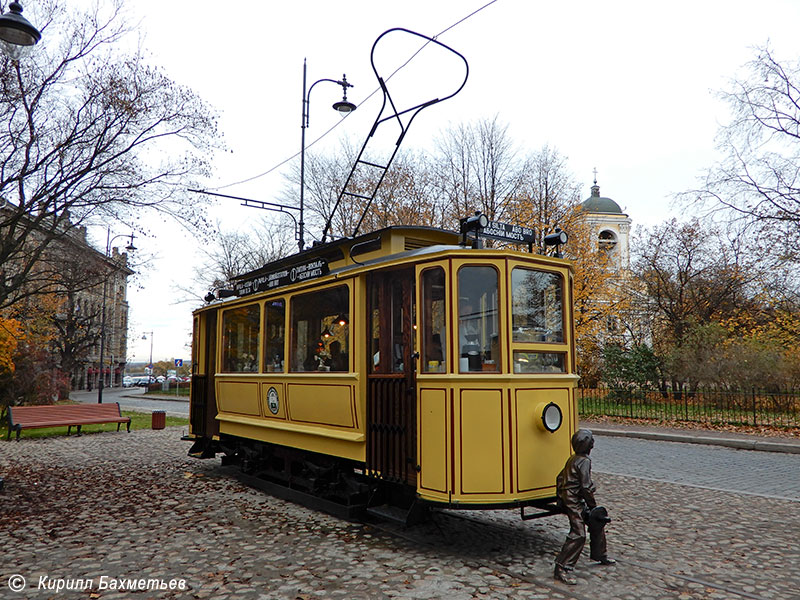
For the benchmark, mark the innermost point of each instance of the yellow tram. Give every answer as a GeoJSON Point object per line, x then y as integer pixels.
{"type": "Point", "coordinates": [408, 367]}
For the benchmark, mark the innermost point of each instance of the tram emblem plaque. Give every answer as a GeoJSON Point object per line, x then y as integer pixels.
{"type": "Point", "coordinates": [273, 401]}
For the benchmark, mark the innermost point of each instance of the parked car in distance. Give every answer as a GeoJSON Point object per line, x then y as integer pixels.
{"type": "Point", "coordinates": [137, 380]}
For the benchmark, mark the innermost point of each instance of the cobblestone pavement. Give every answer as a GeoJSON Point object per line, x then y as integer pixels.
{"type": "Point", "coordinates": [129, 506]}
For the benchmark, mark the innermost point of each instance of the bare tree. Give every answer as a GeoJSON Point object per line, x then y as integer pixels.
{"type": "Point", "coordinates": [758, 179]}
{"type": "Point", "coordinates": [233, 253]}
{"type": "Point", "coordinates": [547, 196]}
{"type": "Point", "coordinates": [407, 195]}
{"type": "Point", "coordinates": [478, 168]}
{"type": "Point", "coordinates": [90, 132]}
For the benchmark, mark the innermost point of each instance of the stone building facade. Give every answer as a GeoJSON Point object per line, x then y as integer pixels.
{"type": "Point", "coordinates": [108, 293]}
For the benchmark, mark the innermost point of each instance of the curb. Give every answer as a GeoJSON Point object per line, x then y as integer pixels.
{"type": "Point", "coordinates": [740, 444]}
{"type": "Point", "coordinates": [162, 398]}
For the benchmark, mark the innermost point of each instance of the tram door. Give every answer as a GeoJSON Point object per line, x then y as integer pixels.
{"type": "Point", "coordinates": [391, 401]}
{"type": "Point", "coordinates": [203, 400]}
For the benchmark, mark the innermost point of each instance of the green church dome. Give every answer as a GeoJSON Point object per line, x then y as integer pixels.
{"type": "Point", "coordinates": [597, 204]}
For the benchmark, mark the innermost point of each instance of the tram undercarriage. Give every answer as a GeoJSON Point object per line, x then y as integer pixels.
{"type": "Point", "coordinates": [318, 481]}
{"type": "Point", "coordinates": [334, 485]}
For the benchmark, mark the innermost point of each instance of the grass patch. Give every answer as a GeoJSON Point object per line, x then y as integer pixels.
{"type": "Point", "coordinates": [138, 421]}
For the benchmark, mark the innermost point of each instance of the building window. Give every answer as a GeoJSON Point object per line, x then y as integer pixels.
{"type": "Point", "coordinates": [607, 241]}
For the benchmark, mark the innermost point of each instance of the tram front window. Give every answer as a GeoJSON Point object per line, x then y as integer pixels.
{"type": "Point", "coordinates": [536, 306]}
{"type": "Point", "coordinates": [478, 327]}
{"type": "Point", "coordinates": [240, 329]}
{"type": "Point", "coordinates": [320, 331]}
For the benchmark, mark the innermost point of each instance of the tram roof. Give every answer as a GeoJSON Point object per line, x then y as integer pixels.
{"type": "Point", "coordinates": [382, 243]}
{"type": "Point", "coordinates": [400, 242]}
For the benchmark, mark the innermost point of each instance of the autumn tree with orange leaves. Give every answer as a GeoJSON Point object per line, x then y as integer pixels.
{"type": "Point", "coordinates": [718, 318]}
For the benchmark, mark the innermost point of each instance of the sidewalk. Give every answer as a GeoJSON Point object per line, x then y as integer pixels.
{"type": "Point", "coordinates": [728, 439]}
{"type": "Point", "coordinates": [164, 396]}
{"type": "Point", "coordinates": [138, 393]}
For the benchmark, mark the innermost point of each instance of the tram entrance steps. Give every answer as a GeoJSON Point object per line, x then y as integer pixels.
{"type": "Point", "coordinates": [416, 513]}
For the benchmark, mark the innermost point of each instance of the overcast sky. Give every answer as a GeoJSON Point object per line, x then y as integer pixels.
{"type": "Point", "coordinates": [624, 87]}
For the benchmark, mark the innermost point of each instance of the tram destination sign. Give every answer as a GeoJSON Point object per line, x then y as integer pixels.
{"type": "Point", "coordinates": [286, 276]}
{"type": "Point", "coordinates": [505, 232]}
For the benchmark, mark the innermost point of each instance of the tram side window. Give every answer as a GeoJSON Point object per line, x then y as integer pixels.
{"type": "Point", "coordinates": [434, 332]}
{"type": "Point", "coordinates": [274, 335]}
{"type": "Point", "coordinates": [478, 319]}
{"type": "Point", "coordinates": [240, 330]}
{"type": "Point", "coordinates": [536, 306]}
{"type": "Point", "coordinates": [320, 326]}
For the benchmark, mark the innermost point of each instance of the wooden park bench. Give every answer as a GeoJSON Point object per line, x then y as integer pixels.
{"type": "Point", "coordinates": [64, 415]}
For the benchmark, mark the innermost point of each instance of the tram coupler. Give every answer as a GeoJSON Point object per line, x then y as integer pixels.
{"type": "Point", "coordinates": [547, 509]}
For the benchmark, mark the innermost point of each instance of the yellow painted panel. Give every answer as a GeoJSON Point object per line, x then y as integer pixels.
{"type": "Point", "coordinates": [335, 442]}
{"type": "Point", "coordinates": [273, 401]}
{"type": "Point", "coordinates": [482, 432]}
{"type": "Point", "coordinates": [240, 397]}
{"type": "Point", "coordinates": [321, 404]}
{"type": "Point", "coordinates": [540, 455]}
{"type": "Point", "coordinates": [433, 440]}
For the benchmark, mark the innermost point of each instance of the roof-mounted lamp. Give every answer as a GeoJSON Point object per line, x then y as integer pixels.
{"type": "Point", "coordinates": [558, 238]}
{"type": "Point", "coordinates": [475, 223]}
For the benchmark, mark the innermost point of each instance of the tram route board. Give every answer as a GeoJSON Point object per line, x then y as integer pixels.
{"type": "Point", "coordinates": [280, 277]}
{"type": "Point", "coordinates": [506, 232]}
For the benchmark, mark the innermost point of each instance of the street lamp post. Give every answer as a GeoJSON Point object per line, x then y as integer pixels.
{"type": "Point", "coordinates": [130, 248]}
{"type": "Point", "coordinates": [144, 337]}
{"type": "Point", "coordinates": [16, 32]}
{"type": "Point", "coordinates": [344, 107]}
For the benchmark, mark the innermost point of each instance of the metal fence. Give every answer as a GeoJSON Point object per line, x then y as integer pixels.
{"type": "Point", "coordinates": [754, 407]}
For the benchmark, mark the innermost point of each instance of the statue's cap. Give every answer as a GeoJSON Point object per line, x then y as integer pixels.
{"type": "Point", "coordinates": [582, 441]}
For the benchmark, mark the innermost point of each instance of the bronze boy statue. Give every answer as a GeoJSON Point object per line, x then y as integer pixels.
{"type": "Point", "coordinates": [575, 491]}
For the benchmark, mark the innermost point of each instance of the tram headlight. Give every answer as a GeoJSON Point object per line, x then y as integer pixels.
{"type": "Point", "coordinates": [551, 416]}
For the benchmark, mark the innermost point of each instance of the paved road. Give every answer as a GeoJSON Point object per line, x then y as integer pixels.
{"type": "Point", "coordinates": [768, 474]}
{"type": "Point", "coordinates": [132, 399]}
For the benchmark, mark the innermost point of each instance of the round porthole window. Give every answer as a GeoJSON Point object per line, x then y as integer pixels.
{"type": "Point", "coordinates": [552, 417]}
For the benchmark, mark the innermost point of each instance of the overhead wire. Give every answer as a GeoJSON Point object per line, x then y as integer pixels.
{"type": "Point", "coordinates": [366, 99]}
